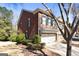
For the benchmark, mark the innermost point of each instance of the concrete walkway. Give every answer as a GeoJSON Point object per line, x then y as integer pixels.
{"type": "Point", "coordinates": [60, 48]}
{"type": "Point", "coordinates": [8, 48]}
{"type": "Point", "coordinates": [6, 43]}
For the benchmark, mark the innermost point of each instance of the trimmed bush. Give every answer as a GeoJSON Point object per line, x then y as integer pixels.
{"type": "Point", "coordinates": [36, 43]}
{"type": "Point", "coordinates": [36, 39]}
{"type": "Point", "coordinates": [20, 37]}
{"type": "Point", "coordinates": [13, 37]}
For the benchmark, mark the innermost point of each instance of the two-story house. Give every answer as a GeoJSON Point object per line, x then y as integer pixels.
{"type": "Point", "coordinates": [38, 22]}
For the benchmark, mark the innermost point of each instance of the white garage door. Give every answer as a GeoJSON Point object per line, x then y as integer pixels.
{"type": "Point", "coordinates": [48, 39]}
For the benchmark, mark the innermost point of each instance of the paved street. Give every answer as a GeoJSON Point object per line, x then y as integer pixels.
{"type": "Point", "coordinates": [60, 48]}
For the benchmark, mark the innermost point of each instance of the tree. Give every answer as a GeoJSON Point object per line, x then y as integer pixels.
{"type": "Point", "coordinates": [6, 14]}
{"type": "Point", "coordinates": [5, 23]}
{"type": "Point", "coordinates": [69, 28]}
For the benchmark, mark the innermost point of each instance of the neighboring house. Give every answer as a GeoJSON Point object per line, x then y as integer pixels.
{"type": "Point", "coordinates": [39, 22]}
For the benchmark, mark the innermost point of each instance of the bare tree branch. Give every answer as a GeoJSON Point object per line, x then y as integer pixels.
{"type": "Point", "coordinates": [52, 16]}
{"type": "Point", "coordinates": [70, 6]}
{"type": "Point", "coordinates": [65, 25]}
{"type": "Point", "coordinates": [62, 19]}
{"type": "Point", "coordinates": [67, 13]}
{"type": "Point", "coordinates": [73, 21]}
{"type": "Point", "coordinates": [63, 8]}
{"type": "Point", "coordinates": [61, 13]}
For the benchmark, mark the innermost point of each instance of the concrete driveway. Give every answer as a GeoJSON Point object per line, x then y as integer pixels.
{"type": "Point", "coordinates": [60, 48]}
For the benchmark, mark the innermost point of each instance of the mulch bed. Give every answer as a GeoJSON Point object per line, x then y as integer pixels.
{"type": "Point", "coordinates": [29, 52]}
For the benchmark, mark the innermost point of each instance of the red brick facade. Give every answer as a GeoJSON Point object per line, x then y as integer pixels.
{"type": "Point", "coordinates": [23, 23]}
{"type": "Point", "coordinates": [35, 23]}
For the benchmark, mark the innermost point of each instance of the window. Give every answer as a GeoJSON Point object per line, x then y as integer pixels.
{"type": "Point", "coordinates": [28, 22]}
{"type": "Point", "coordinates": [53, 23]}
{"type": "Point", "coordinates": [49, 21]}
{"type": "Point", "coordinates": [43, 21]}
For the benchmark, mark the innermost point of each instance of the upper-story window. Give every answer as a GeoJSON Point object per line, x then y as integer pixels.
{"type": "Point", "coordinates": [49, 21]}
{"type": "Point", "coordinates": [43, 21]}
{"type": "Point", "coordinates": [53, 23]}
{"type": "Point", "coordinates": [29, 22]}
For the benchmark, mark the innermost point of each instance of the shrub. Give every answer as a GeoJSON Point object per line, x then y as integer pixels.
{"type": "Point", "coordinates": [36, 39]}
{"type": "Point", "coordinates": [3, 35]}
{"type": "Point", "coordinates": [20, 38]}
{"type": "Point", "coordinates": [13, 37]}
{"type": "Point", "coordinates": [36, 43]}
{"type": "Point", "coordinates": [26, 41]}
{"type": "Point", "coordinates": [36, 46]}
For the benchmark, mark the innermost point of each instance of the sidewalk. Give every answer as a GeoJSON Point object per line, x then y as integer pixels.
{"type": "Point", "coordinates": [60, 48]}
{"type": "Point", "coordinates": [6, 43]}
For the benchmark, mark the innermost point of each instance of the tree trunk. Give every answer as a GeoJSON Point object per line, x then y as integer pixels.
{"type": "Point", "coordinates": [68, 53]}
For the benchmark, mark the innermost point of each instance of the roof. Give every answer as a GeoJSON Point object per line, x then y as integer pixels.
{"type": "Point", "coordinates": [38, 10]}
{"type": "Point", "coordinates": [26, 11]}
{"type": "Point", "coordinates": [44, 12]}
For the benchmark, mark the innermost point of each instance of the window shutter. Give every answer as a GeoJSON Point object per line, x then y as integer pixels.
{"type": "Point", "coordinates": [51, 22]}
